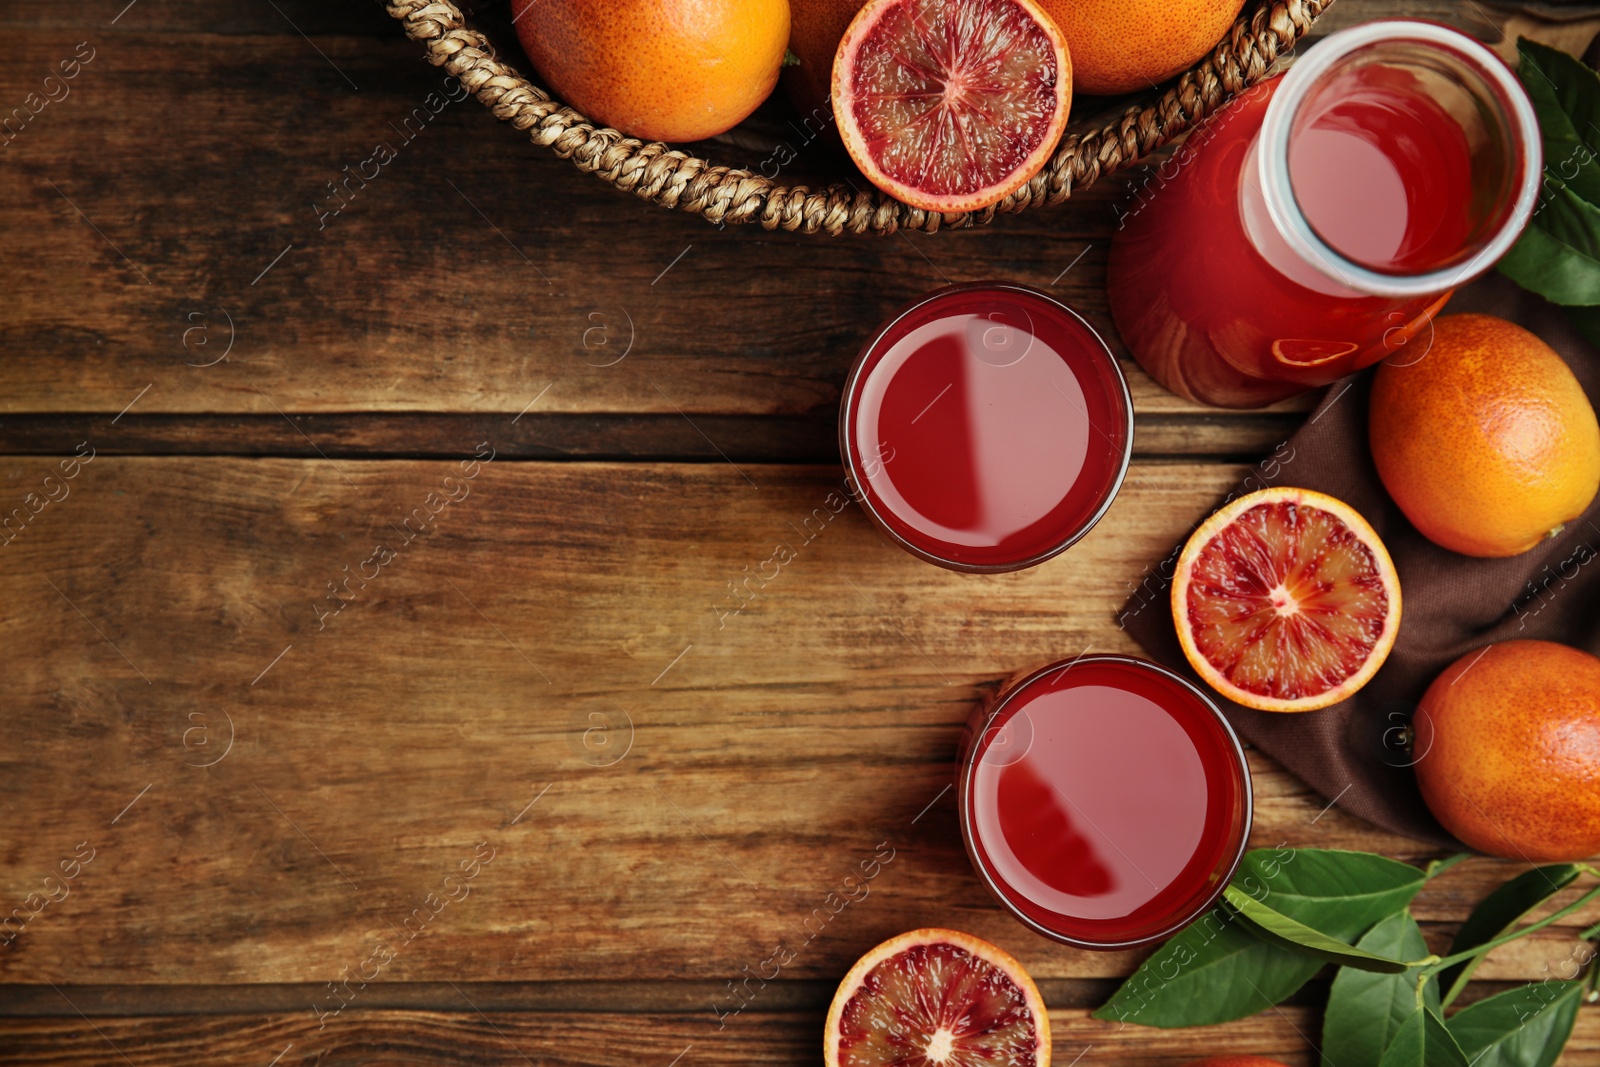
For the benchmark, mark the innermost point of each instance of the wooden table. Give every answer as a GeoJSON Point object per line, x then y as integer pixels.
{"type": "Point", "coordinates": [530, 752]}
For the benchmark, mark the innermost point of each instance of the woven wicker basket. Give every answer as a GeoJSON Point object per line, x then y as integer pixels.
{"type": "Point", "coordinates": [723, 193]}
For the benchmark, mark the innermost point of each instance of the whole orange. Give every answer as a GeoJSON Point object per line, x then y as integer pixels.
{"type": "Point", "coordinates": [815, 29]}
{"type": "Point", "coordinates": [1508, 747]}
{"type": "Point", "coordinates": [1118, 46]}
{"type": "Point", "coordinates": [1486, 441]}
{"type": "Point", "coordinates": [678, 71]}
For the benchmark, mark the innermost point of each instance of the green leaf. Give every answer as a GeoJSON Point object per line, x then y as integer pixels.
{"type": "Point", "coordinates": [1498, 914]}
{"type": "Point", "coordinates": [1566, 97]}
{"type": "Point", "coordinates": [1210, 972]}
{"type": "Point", "coordinates": [1524, 1027]}
{"type": "Point", "coordinates": [1366, 1010]}
{"type": "Point", "coordinates": [1558, 255]}
{"type": "Point", "coordinates": [1278, 929]}
{"type": "Point", "coordinates": [1422, 1041]}
{"type": "Point", "coordinates": [1575, 222]}
{"type": "Point", "coordinates": [1213, 971]}
{"type": "Point", "coordinates": [1340, 893]}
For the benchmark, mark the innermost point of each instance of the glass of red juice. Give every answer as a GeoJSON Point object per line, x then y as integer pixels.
{"type": "Point", "coordinates": [1318, 222]}
{"type": "Point", "coordinates": [1104, 801]}
{"type": "Point", "coordinates": [986, 427]}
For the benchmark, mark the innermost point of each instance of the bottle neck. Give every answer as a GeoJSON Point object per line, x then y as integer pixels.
{"type": "Point", "coordinates": [1397, 159]}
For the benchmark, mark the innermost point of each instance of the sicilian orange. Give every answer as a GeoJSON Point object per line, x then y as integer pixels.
{"type": "Point", "coordinates": [1286, 600]}
{"type": "Point", "coordinates": [951, 105]}
{"type": "Point", "coordinates": [663, 72]}
{"type": "Point", "coordinates": [1507, 742]}
{"type": "Point", "coordinates": [1486, 442]}
{"type": "Point", "coordinates": [936, 997]}
{"type": "Point", "coordinates": [1119, 46]}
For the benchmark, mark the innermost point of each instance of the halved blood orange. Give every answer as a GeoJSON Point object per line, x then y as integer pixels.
{"type": "Point", "coordinates": [951, 105]}
{"type": "Point", "coordinates": [937, 998]}
{"type": "Point", "coordinates": [1286, 600]}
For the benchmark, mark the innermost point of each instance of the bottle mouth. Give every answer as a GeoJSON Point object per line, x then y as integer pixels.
{"type": "Point", "coordinates": [1461, 79]}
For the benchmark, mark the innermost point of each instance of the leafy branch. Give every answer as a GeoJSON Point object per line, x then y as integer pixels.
{"type": "Point", "coordinates": [1287, 912]}
{"type": "Point", "coordinates": [1558, 255]}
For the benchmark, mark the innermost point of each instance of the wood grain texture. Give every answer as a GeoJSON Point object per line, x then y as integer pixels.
{"type": "Point", "coordinates": [427, 1039]}
{"type": "Point", "coordinates": [772, 750]}
{"type": "Point", "coordinates": [762, 439]}
{"type": "Point", "coordinates": [410, 299]}
{"type": "Point", "coordinates": [597, 996]}
{"type": "Point", "coordinates": [471, 274]}
{"type": "Point", "coordinates": [560, 614]}
{"type": "Point", "coordinates": [431, 1038]}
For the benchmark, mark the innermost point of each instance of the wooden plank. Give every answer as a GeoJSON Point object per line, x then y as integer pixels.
{"type": "Point", "coordinates": [600, 996]}
{"type": "Point", "coordinates": [432, 289]}
{"type": "Point", "coordinates": [767, 438]}
{"type": "Point", "coordinates": [165, 605]}
{"type": "Point", "coordinates": [427, 1038]}
{"type": "Point", "coordinates": [494, 1038]}
{"type": "Point", "coordinates": [195, 17]}
{"type": "Point", "coordinates": [472, 274]}
{"type": "Point", "coordinates": [589, 995]}
{"type": "Point", "coordinates": [410, 299]}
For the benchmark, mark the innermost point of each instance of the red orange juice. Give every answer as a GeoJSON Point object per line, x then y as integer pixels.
{"type": "Point", "coordinates": [1104, 801]}
{"type": "Point", "coordinates": [1318, 222]}
{"type": "Point", "coordinates": [986, 427]}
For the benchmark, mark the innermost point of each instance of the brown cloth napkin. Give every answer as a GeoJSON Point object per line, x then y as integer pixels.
{"type": "Point", "coordinates": [1353, 753]}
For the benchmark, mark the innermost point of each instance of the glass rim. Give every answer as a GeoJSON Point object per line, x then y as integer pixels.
{"type": "Point", "coordinates": [1272, 163]}
{"type": "Point", "coordinates": [1122, 399]}
{"type": "Point", "coordinates": [972, 756]}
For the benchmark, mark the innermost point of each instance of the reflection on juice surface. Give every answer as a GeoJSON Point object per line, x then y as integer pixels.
{"type": "Point", "coordinates": [1215, 304]}
{"type": "Point", "coordinates": [1106, 801]}
{"type": "Point", "coordinates": [986, 426]}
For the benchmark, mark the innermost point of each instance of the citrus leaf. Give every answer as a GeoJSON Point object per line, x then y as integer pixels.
{"type": "Point", "coordinates": [1499, 912]}
{"type": "Point", "coordinates": [1210, 972]}
{"type": "Point", "coordinates": [1524, 1027]}
{"type": "Point", "coordinates": [1566, 97]}
{"type": "Point", "coordinates": [1366, 1010]}
{"type": "Point", "coordinates": [1278, 929]}
{"type": "Point", "coordinates": [1213, 971]}
{"type": "Point", "coordinates": [1339, 893]}
{"type": "Point", "coordinates": [1550, 258]}
{"type": "Point", "coordinates": [1423, 1041]}
{"type": "Point", "coordinates": [1558, 255]}
{"type": "Point", "coordinates": [1573, 221]}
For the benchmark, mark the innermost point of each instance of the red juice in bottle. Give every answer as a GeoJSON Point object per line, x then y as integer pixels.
{"type": "Point", "coordinates": [1318, 222]}
{"type": "Point", "coordinates": [1104, 801]}
{"type": "Point", "coordinates": [986, 427]}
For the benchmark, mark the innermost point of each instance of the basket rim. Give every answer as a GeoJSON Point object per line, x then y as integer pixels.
{"type": "Point", "coordinates": [1264, 32]}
